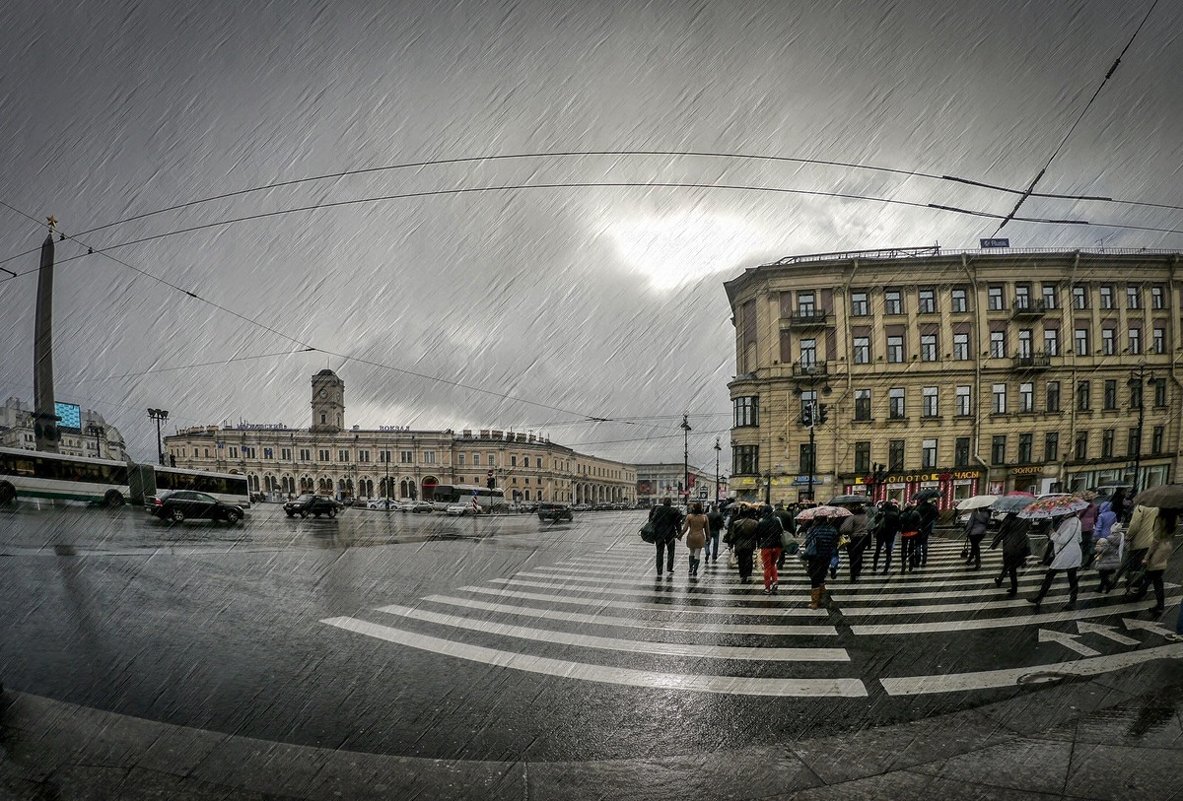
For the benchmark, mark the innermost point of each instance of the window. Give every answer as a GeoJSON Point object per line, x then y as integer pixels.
{"type": "Point", "coordinates": [862, 404]}
{"type": "Point", "coordinates": [234, 453]}
{"type": "Point", "coordinates": [807, 460]}
{"type": "Point", "coordinates": [1024, 343]}
{"type": "Point", "coordinates": [429, 457]}
{"type": "Point", "coordinates": [745, 459]}
{"type": "Point", "coordinates": [1135, 341]}
{"type": "Point", "coordinates": [1081, 337]}
{"type": "Point", "coordinates": [1083, 391]}
{"type": "Point", "coordinates": [998, 344]}
{"type": "Point", "coordinates": [932, 402]}
{"type": "Point", "coordinates": [1160, 393]}
{"type": "Point", "coordinates": [998, 449]}
{"type": "Point", "coordinates": [961, 452]}
{"type": "Point", "coordinates": [963, 401]}
{"type": "Point", "coordinates": [460, 459]}
{"type": "Point", "coordinates": [960, 299]}
{"type": "Point", "coordinates": [895, 349]}
{"type": "Point", "coordinates": [961, 347]}
{"type": "Point", "coordinates": [928, 347]}
{"type": "Point", "coordinates": [1022, 296]}
{"type": "Point", "coordinates": [513, 461]}
{"type": "Point", "coordinates": [476, 459]}
{"type": "Point", "coordinates": [806, 305]}
{"type": "Point", "coordinates": [363, 456]}
{"type": "Point", "coordinates": [1159, 343]}
{"type": "Point", "coordinates": [1107, 443]}
{"type": "Point", "coordinates": [305, 454]}
{"type": "Point", "coordinates": [1080, 297]}
{"type": "Point", "coordinates": [1025, 448]}
{"type": "Point", "coordinates": [1051, 446]}
{"type": "Point", "coordinates": [895, 454]}
{"type": "Point", "coordinates": [1053, 396]}
{"type": "Point", "coordinates": [928, 453]}
{"type": "Point", "coordinates": [322, 455]}
{"type": "Point", "coordinates": [342, 455]}
{"type": "Point", "coordinates": [1106, 297]}
{"type": "Point", "coordinates": [1133, 297]}
{"type": "Point", "coordinates": [1133, 444]}
{"type": "Point", "coordinates": [994, 299]}
{"type": "Point", "coordinates": [1108, 341]}
{"type": "Point", "coordinates": [1135, 396]}
{"type": "Point", "coordinates": [747, 411]}
{"type": "Point", "coordinates": [268, 453]}
{"type": "Point", "coordinates": [927, 300]}
{"type": "Point", "coordinates": [893, 301]}
{"type": "Point", "coordinates": [862, 457]}
{"type": "Point", "coordinates": [895, 403]}
{"type": "Point", "coordinates": [1026, 398]}
{"type": "Point", "coordinates": [1157, 298]}
{"type": "Point", "coordinates": [1109, 400]}
{"type": "Point", "coordinates": [808, 352]}
{"type": "Point", "coordinates": [1081, 447]}
{"type": "Point", "coordinates": [1156, 440]}
{"type": "Point", "coordinates": [862, 350]}
{"type": "Point", "coordinates": [1049, 296]}
{"type": "Point", "coordinates": [406, 457]}
{"type": "Point", "coordinates": [999, 406]}
{"type": "Point", "coordinates": [858, 304]}
{"type": "Point", "coordinates": [1051, 341]}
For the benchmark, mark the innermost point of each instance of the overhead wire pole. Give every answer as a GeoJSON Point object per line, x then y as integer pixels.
{"type": "Point", "coordinates": [686, 456]}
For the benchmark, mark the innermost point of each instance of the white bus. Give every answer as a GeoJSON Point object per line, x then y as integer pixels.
{"type": "Point", "coordinates": [147, 480]}
{"type": "Point", "coordinates": [445, 495]}
{"type": "Point", "coordinates": [53, 476]}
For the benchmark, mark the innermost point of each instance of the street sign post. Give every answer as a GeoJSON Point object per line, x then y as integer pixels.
{"type": "Point", "coordinates": [994, 243]}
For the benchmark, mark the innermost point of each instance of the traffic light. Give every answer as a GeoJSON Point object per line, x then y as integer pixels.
{"type": "Point", "coordinates": [823, 412]}
{"type": "Point", "coordinates": [807, 416]}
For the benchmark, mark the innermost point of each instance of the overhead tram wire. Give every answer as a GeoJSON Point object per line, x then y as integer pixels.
{"type": "Point", "coordinates": [1039, 176]}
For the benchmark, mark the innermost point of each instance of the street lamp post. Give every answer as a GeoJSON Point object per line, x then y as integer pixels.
{"type": "Point", "coordinates": [159, 415]}
{"type": "Point", "coordinates": [98, 432]}
{"type": "Point", "coordinates": [718, 448]}
{"type": "Point", "coordinates": [686, 456]}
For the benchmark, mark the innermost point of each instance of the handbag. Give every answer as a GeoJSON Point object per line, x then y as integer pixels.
{"type": "Point", "coordinates": [810, 547]}
{"type": "Point", "coordinates": [789, 543]}
{"type": "Point", "coordinates": [649, 533]}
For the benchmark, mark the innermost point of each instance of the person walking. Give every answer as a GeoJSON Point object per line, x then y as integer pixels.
{"type": "Point", "coordinates": [909, 535]}
{"type": "Point", "coordinates": [975, 532]}
{"type": "Point", "coordinates": [1088, 525]}
{"type": "Point", "coordinates": [667, 525]}
{"type": "Point", "coordinates": [743, 541]}
{"type": "Point", "coordinates": [928, 520]}
{"type": "Point", "coordinates": [768, 537]}
{"type": "Point", "coordinates": [1156, 560]}
{"type": "Point", "coordinates": [1016, 547]}
{"type": "Point", "coordinates": [715, 521]}
{"type": "Point", "coordinates": [696, 529]}
{"type": "Point", "coordinates": [1065, 541]}
{"type": "Point", "coordinates": [820, 542]}
{"type": "Point", "coordinates": [854, 528]}
{"type": "Point", "coordinates": [1140, 534]}
{"type": "Point", "coordinates": [887, 528]}
{"type": "Point", "coordinates": [1109, 551]}
{"type": "Point", "coordinates": [785, 516]}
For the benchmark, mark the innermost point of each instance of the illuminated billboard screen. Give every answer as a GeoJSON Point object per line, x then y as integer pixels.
{"type": "Point", "coordinates": [69, 416]}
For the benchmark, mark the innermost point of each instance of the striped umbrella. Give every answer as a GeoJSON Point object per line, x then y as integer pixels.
{"type": "Point", "coordinates": [823, 511]}
{"type": "Point", "coordinates": [1055, 506]}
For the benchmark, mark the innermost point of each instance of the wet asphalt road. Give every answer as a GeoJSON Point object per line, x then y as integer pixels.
{"type": "Point", "coordinates": [222, 628]}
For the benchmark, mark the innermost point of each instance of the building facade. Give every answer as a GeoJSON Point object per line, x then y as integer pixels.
{"type": "Point", "coordinates": [967, 372]}
{"type": "Point", "coordinates": [395, 461]}
{"type": "Point", "coordinates": [665, 479]}
{"type": "Point", "coordinates": [95, 437]}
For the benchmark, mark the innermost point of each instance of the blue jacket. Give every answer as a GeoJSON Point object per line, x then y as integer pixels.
{"type": "Point", "coordinates": [824, 538]}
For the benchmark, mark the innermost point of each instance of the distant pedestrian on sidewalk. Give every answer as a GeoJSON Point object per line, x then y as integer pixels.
{"type": "Point", "coordinates": [909, 539]}
{"type": "Point", "coordinates": [854, 528]}
{"type": "Point", "coordinates": [887, 528]}
{"type": "Point", "coordinates": [1066, 558]}
{"type": "Point", "coordinates": [667, 523]}
{"type": "Point", "coordinates": [975, 532]}
{"type": "Point", "coordinates": [1016, 547]}
{"type": "Point", "coordinates": [820, 543]}
{"type": "Point", "coordinates": [768, 536]}
{"type": "Point", "coordinates": [715, 519]}
{"type": "Point", "coordinates": [696, 529]}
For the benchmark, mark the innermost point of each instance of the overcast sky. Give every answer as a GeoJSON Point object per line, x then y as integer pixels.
{"type": "Point", "coordinates": [603, 302]}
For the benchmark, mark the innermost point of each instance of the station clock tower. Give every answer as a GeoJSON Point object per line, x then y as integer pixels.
{"type": "Point", "coordinates": [328, 402]}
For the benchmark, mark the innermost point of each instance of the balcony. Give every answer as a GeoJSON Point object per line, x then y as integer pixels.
{"type": "Point", "coordinates": [802, 320]}
{"type": "Point", "coordinates": [1029, 309]}
{"type": "Point", "coordinates": [1032, 362]}
{"type": "Point", "coordinates": [810, 370]}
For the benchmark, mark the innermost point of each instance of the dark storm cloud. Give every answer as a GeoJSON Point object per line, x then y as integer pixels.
{"type": "Point", "coordinates": [562, 296]}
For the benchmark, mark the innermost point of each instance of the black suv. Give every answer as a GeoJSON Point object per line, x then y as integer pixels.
{"type": "Point", "coordinates": [181, 505]}
{"type": "Point", "coordinates": [315, 505]}
{"type": "Point", "coordinates": [554, 512]}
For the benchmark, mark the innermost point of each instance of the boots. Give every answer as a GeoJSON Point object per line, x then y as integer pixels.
{"type": "Point", "coordinates": [815, 598]}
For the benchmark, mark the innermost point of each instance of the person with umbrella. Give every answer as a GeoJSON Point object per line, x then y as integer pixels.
{"type": "Point", "coordinates": [928, 513]}
{"type": "Point", "coordinates": [1064, 542]}
{"type": "Point", "coordinates": [820, 543]}
{"type": "Point", "coordinates": [909, 536]}
{"type": "Point", "coordinates": [975, 532]}
{"type": "Point", "coordinates": [1140, 534]}
{"type": "Point", "coordinates": [854, 528]}
{"type": "Point", "coordinates": [886, 529]}
{"type": "Point", "coordinates": [743, 541]}
{"type": "Point", "coordinates": [768, 536]}
{"type": "Point", "coordinates": [1157, 557]}
{"type": "Point", "coordinates": [1016, 547]}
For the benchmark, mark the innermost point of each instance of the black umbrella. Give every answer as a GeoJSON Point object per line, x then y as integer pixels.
{"type": "Point", "coordinates": [1164, 496]}
{"type": "Point", "coordinates": [849, 500]}
{"type": "Point", "coordinates": [926, 494]}
{"type": "Point", "coordinates": [1012, 503]}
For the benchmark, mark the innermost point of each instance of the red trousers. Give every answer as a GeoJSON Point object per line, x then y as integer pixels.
{"type": "Point", "coordinates": [769, 556]}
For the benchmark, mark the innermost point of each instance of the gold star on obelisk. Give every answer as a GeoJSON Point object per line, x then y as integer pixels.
{"type": "Point", "coordinates": [53, 222]}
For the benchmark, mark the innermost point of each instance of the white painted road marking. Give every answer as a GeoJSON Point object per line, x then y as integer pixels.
{"type": "Point", "coordinates": [559, 668]}
{"type": "Point", "coordinates": [681, 594]}
{"type": "Point", "coordinates": [1010, 677]}
{"type": "Point", "coordinates": [1069, 641]}
{"type": "Point", "coordinates": [1108, 632]}
{"type": "Point", "coordinates": [632, 646]}
{"type": "Point", "coordinates": [680, 607]}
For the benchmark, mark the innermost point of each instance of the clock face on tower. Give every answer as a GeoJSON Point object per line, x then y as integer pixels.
{"type": "Point", "coordinates": [324, 393]}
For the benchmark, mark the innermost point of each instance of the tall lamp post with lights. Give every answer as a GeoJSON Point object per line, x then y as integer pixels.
{"type": "Point", "coordinates": [686, 456]}
{"type": "Point", "coordinates": [718, 448]}
{"type": "Point", "coordinates": [97, 432]}
{"type": "Point", "coordinates": [159, 415]}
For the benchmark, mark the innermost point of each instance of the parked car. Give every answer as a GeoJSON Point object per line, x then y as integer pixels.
{"type": "Point", "coordinates": [384, 504]}
{"type": "Point", "coordinates": [180, 505]}
{"type": "Point", "coordinates": [554, 512]}
{"type": "Point", "coordinates": [457, 509]}
{"type": "Point", "coordinates": [418, 506]}
{"type": "Point", "coordinates": [315, 505]}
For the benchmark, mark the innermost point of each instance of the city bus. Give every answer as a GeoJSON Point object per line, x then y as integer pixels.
{"type": "Point", "coordinates": [445, 495]}
{"type": "Point", "coordinates": [55, 476]}
{"type": "Point", "coordinates": [147, 480]}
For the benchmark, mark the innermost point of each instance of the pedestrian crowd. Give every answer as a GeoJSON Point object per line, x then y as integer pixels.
{"type": "Point", "coordinates": [1115, 537]}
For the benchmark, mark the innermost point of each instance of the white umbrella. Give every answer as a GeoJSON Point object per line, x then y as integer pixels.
{"type": "Point", "coordinates": [976, 502]}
